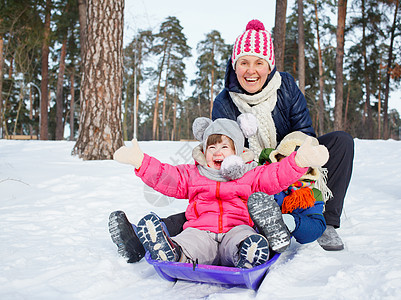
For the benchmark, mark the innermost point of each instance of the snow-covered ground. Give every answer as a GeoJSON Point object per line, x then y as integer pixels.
{"type": "Point", "coordinates": [55, 243]}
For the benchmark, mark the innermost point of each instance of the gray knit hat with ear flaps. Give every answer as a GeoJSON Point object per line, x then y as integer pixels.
{"type": "Point", "coordinates": [245, 127]}
{"type": "Point", "coordinates": [233, 166]}
{"type": "Point", "coordinates": [204, 127]}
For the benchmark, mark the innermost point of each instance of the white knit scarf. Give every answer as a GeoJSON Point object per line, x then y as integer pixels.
{"type": "Point", "coordinates": [261, 105]}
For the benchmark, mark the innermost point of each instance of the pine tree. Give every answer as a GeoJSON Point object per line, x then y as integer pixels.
{"type": "Point", "coordinates": [65, 24]}
{"type": "Point", "coordinates": [44, 101]}
{"type": "Point", "coordinates": [301, 47]}
{"type": "Point", "coordinates": [100, 133]}
{"type": "Point", "coordinates": [338, 110]}
{"type": "Point", "coordinates": [21, 37]}
{"type": "Point", "coordinates": [279, 33]}
{"type": "Point", "coordinates": [393, 31]}
{"type": "Point", "coordinates": [135, 55]}
{"type": "Point", "coordinates": [213, 55]}
{"type": "Point", "coordinates": [170, 45]}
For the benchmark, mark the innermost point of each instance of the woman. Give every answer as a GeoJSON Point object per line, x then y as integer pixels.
{"type": "Point", "coordinates": [253, 85]}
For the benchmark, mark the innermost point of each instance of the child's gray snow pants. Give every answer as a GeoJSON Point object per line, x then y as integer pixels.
{"type": "Point", "coordinates": [213, 248]}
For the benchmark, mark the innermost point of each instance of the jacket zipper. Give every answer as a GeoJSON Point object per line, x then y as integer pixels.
{"type": "Point", "coordinates": [220, 225]}
{"type": "Point", "coordinates": [195, 210]}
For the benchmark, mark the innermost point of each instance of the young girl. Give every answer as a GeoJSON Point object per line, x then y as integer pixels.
{"type": "Point", "coordinates": [218, 228]}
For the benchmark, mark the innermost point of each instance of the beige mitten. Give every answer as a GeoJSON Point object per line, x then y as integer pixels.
{"type": "Point", "coordinates": [311, 156]}
{"type": "Point", "coordinates": [130, 155]}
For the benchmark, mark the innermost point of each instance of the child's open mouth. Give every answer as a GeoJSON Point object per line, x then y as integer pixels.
{"type": "Point", "coordinates": [217, 163]}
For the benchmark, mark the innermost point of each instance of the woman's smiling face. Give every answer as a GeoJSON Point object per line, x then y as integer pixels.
{"type": "Point", "coordinates": [252, 73]}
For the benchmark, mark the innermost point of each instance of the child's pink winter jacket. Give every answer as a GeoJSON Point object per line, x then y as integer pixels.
{"type": "Point", "coordinates": [213, 205]}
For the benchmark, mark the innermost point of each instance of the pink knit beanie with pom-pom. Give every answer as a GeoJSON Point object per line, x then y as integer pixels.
{"type": "Point", "coordinates": [254, 41]}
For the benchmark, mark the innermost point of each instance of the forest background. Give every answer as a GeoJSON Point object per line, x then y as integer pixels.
{"type": "Point", "coordinates": [345, 56]}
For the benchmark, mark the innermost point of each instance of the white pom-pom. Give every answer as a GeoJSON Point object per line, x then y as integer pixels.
{"type": "Point", "coordinates": [233, 167]}
{"type": "Point", "coordinates": [199, 126]}
{"type": "Point", "coordinates": [248, 124]}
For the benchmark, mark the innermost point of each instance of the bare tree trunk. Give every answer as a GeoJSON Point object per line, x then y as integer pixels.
{"type": "Point", "coordinates": [4, 120]}
{"type": "Point", "coordinates": [100, 132]}
{"type": "Point", "coordinates": [188, 122]}
{"type": "Point", "coordinates": [321, 78]}
{"type": "Point", "coordinates": [72, 104]}
{"type": "Point", "coordinates": [379, 106]}
{"type": "Point", "coordinates": [125, 116]}
{"type": "Point", "coordinates": [301, 47]}
{"type": "Point", "coordinates": [365, 106]}
{"type": "Point", "coordinates": [44, 103]}
{"type": "Point", "coordinates": [279, 33]}
{"type": "Point", "coordinates": [368, 108]}
{"type": "Point", "coordinates": [82, 26]}
{"type": "Point", "coordinates": [156, 111]}
{"type": "Point", "coordinates": [345, 124]}
{"type": "Point", "coordinates": [211, 94]}
{"type": "Point", "coordinates": [30, 111]}
{"type": "Point", "coordinates": [135, 116]}
{"type": "Point", "coordinates": [156, 107]}
{"type": "Point", "coordinates": [378, 117]}
{"type": "Point", "coordinates": [1, 83]}
{"type": "Point", "coordinates": [386, 131]}
{"type": "Point", "coordinates": [163, 137]}
{"type": "Point", "coordinates": [338, 110]}
{"type": "Point", "coordinates": [21, 98]}
{"type": "Point", "coordinates": [173, 132]}
{"type": "Point", "coordinates": [164, 112]}
{"type": "Point", "coordinates": [11, 67]}
{"type": "Point", "coordinates": [59, 95]}
{"type": "Point", "coordinates": [211, 85]}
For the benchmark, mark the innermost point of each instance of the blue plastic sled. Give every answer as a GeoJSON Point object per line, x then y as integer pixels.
{"type": "Point", "coordinates": [247, 278]}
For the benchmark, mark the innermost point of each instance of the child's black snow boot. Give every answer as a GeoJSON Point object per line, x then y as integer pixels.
{"type": "Point", "coordinates": [156, 240]}
{"type": "Point", "coordinates": [266, 214]}
{"type": "Point", "coordinates": [124, 236]}
{"type": "Point", "coordinates": [253, 251]}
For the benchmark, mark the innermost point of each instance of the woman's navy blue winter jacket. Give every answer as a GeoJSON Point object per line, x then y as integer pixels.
{"type": "Point", "coordinates": [290, 113]}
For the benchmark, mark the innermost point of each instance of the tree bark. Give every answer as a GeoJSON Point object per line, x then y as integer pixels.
{"type": "Point", "coordinates": [59, 94]}
{"type": "Point", "coordinates": [321, 78]}
{"type": "Point", "coordinates": [44, 103]}
{"type": "Point", "coordinates": [156, 107]}
{"type": "Point", "coordinates": [164, 129]}
{"type": "Point", "coordinates": [173, 132]}
{"type": "Point", "coordinates": [21, 99]}
{"type": "Point", "coordinates": [345, 123]}
{"type": "Point", "coordinates": [386, 131]}
{"type": "Point", "coordinates": [368, 109]}
{"type": "Point", "coordinates": [72, 106]}
{"type": "Point", "coordinates": [100, 132]}
{"type": "Point", "coordinates": [211, 85]}
{"type": "Point", "coordinates": [379, 105]}
{"type": "Point", "coordinates": [301, 47]}
{"type": "Point", "coordinates": [82, 26]}
{"type": "Point", "coordinates": [339, 86]}
{"type": "Point", "coordinates": [135, 115]}
{"type": "Point", "coordinates": [279, 33]}
{"type": "Point", "coordinates": [1, 84]}
{"type": "Point", "coordinates": [30, 111]}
